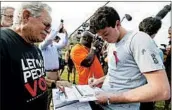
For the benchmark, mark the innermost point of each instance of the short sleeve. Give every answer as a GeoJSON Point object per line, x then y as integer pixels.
{"type": "Point", "coordinates": [78, 54]}
{"type": "Point", "coordinates": [146, 53]}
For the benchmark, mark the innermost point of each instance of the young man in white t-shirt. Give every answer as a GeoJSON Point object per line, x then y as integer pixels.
{"type": "Point", "coordinates": [136, 72]}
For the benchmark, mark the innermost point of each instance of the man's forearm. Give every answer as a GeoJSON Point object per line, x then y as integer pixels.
{"type": "Point", "coordinates": [132, 96]}
{"type": "Point", "coordinates": [63, 41]}
{"type": "Point", "coordinates": [89, 59]}
{"type": "Point", "coordinates": [145, 93]}
{"type": "Point", "coordinates": [101, 80]}
{"type": "Point", "coordinates": [48, 39]}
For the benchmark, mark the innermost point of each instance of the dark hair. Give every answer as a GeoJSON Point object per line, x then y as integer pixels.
{"type": "Point", "coordinates": [103, 17]}
{"type": "Point", "coordinates": [87, 34]}
{"type": "Point", "coordinates": [86, 38]}
{"type": "Point", "coordinates": [150, 25]}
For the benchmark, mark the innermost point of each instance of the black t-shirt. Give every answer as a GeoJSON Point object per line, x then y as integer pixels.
{"type": "Point", "coordinates": [23, 85]}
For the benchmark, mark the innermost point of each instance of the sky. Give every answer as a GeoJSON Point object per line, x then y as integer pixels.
{"type": "Point", "coordinates": [75, 13]}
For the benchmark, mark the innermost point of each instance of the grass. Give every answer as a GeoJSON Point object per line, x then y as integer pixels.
{"type": "Point", "coordinates": [158, 106]}
{"type": "Point", "coordinates": [65, 75]}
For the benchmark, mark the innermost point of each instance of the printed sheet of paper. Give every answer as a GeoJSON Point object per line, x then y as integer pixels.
{"type": "Point", "coordinates": [76, 106]}
{"type": "Point", "coordinates": [85, 90]}
{"type": "Point", "coordinates": [83, 93]}
{"type": "Point", "coordinates": [60, 102]}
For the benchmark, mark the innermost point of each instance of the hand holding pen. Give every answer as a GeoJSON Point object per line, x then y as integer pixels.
{"type": "Point", "coordinates": [93, 82]}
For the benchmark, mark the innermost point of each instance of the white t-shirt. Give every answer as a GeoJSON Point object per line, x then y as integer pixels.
{"type": "Point", "coordinates": [136, 54]}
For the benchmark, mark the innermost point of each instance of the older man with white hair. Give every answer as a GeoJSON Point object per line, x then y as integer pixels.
{"type": "Point", "coordinates": [23, 85]}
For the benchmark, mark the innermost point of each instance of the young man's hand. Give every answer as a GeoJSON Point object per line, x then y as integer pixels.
{"type": "Point", "coordinates": [103, 98]}
{"type": "Point", "coordinates": [93, 82]}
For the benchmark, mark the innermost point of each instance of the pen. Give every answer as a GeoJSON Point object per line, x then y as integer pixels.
{"type": "Point", "coordinates": [92, 79]}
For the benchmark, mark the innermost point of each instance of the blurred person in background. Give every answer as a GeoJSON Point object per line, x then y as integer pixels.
{"type": "Point", "coordinates": [49, 48]}
{"type": "Point", "coordinates": [151, 26]}
{"type": "Point", "coordinates": [85, 60]}
{"type": "Point", "coordinates": [70, 65]}
{"type": "Point", "coordinates": [7, 16]}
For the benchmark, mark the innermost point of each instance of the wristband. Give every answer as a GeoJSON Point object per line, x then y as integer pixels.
{"type": "Point", "coordinates": [108, 101]}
